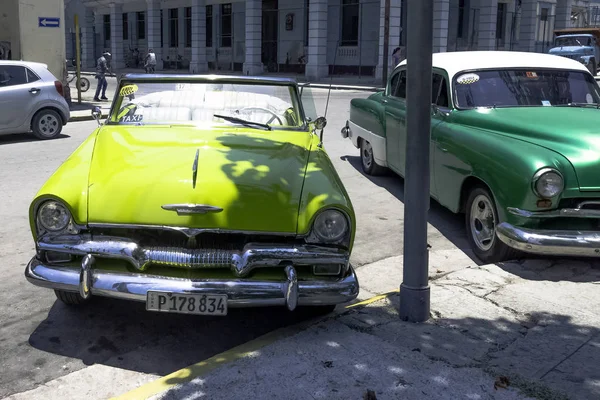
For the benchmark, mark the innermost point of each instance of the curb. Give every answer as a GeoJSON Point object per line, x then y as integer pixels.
{"type": "Point", "coordinates": [189, 373]}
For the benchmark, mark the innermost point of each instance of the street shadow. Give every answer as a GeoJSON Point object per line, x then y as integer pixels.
{"type": "Point", "coordinates": [368, 352]}
{"type": "Point", "coordinates": [449, 224]}
{"type": "Point", "coordinates": [14, 138]}
{"type": "Point", "coordinates": [123, 334]}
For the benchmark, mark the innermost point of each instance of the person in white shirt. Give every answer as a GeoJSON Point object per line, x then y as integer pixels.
{"type": "Point", "coordinates": [150, 63]}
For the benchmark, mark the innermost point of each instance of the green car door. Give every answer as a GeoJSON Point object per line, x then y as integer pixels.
{"type": "Point", "coordinates": [448, 170]}
{"type": "Point", "coordinates": [395, 122]}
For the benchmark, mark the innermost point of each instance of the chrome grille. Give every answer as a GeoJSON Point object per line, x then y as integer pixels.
{"type": "Point", "coordinates": [171, 248]}
{"type": "Point", "coordinates": [190, 258]}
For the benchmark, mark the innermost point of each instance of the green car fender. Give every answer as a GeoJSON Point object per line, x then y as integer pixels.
{"type": "Point", "coordinates": [369, 113]}
{"type": "Point", "coordinates": [68, 184]}
{"type": "Point", "coordinates": [323, 189]}
{"type": "Point", "coordinates": [506, 165]}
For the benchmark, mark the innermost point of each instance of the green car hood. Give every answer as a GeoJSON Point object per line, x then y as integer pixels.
{"type": "Point", "coordinates": [255, 176]}
{"type": "Point", "coordinates": [573, 132]}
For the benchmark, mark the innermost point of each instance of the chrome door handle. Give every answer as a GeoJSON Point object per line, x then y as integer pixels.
{"type": "Point", "coordinates": [34, 90]}
{"type": "Point", "coordinates": [439, 146]}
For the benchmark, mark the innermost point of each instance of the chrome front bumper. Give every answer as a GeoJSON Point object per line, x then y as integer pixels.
{"type": "Point", "coordinates": [291, 292]}
{"type": "Point", "coordinates": [550, 242]}
{"type": "Point", "coordinates": [241, 263]}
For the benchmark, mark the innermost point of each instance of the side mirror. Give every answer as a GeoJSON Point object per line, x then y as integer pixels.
{"type": "Point", "coordinates": [97, 113]}
{"type": "Point", "coordinates": [320, 123]}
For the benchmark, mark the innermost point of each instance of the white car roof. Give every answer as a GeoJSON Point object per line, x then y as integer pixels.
{"type": "Point", "coordinates": [32, 64]}
{"type": "Point", "coordinates": [39, 68]}
{"type": "Point", "coordinates": [457, 61]}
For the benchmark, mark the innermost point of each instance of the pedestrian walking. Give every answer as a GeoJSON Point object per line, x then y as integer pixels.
{"type": "Point", "coordinates": [102, 69]}
{"type": "Point", "coordinates": [150, 63]}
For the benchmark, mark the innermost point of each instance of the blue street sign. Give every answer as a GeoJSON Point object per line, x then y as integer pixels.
{"type": "Point", "coordinates": [48, 22]}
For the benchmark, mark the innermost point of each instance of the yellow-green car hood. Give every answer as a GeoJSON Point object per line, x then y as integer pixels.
{"type": "Point", "coordinates": [255, 176]}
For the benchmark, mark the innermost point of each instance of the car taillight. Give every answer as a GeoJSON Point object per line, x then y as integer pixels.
{"type": "Point", "coordinates": [59, 87]}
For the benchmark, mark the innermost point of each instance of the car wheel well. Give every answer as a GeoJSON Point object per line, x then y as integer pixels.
{"type": "Point", "coordinates": [470, 183]}
{"type": "Point", "coordinates": [62, 117]}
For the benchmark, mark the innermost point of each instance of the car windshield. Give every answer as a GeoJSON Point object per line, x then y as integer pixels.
{"type": "Point", "coordinates": [573, 41]}
{"type": "Point", "coordinates": [257, 105]}
{"type": "Point", "coordinates": [524, 87]}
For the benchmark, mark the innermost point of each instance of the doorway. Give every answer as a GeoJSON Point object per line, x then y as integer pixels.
{"type": "Point", "coordinates": [270, 27]}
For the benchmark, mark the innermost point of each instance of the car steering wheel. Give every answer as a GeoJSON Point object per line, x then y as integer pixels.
{"type": "Point", "coordinates": [275, 116]}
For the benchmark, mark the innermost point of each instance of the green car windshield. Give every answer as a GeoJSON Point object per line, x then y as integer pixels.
{"type": "Point", "coordinates": [208, 103]}
{"type": "Point", "coordinates": [524, 87]}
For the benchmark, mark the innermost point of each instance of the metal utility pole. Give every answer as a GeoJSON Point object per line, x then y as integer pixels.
{"type": "Point", "coordinates": [386, 42]}
{"type": "Point", "coordinates": [77, 59]}
{"type": "Point", "coordinates": [414, 290]}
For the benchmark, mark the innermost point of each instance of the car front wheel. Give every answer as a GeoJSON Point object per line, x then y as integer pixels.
{"type": "Point", "coordinates": [481, 221]}
{"type": "Point", "coordinates": [46, 124]}
{"type": "Point", "coordinates": [367, 159]}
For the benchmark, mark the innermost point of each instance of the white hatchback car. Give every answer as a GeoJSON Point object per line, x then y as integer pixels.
{"type": "Point", "coordinates": [31, 100]}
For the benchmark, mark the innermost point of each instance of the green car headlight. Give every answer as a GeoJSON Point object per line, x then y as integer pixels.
{"type": "Point", "coordinates": [548, 183]}
{"type": "Point", "coordinates": [53, 216]}
{"type": "Point", "coordinates": [331, 225]}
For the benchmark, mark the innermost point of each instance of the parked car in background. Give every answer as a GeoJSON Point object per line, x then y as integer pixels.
{"type": "Point", "coordinates": [31, 100]}
{"type": "Point", "coordinates": [198, 194]}
{"type": "Point", "coordinates": [515, 146]}
{"type": "Point", "coordinates": [579, 44]}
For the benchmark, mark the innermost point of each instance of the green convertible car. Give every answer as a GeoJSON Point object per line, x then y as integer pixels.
{"type": "Point", "coordinates": [515, 146]}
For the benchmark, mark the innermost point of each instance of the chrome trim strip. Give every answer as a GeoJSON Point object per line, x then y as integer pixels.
{"type": "Point", "coordinates": [187, 209]}
{"type": "Point", "coordinates": [241, 263]}
{"type": "Point", "coordinates": [563, 212]}
{"type": "Point", "coordinates": [550, 242]}
{"type": "Point", "coordinates": [240, 292]}
{"type": "Point", "coordinates": [195, 169]}
{"type": "Point", "coordinates": [190, 232]}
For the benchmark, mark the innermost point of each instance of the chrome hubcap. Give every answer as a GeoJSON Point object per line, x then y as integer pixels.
{"type": "Point", "coordinates": [483, 224]}
{"type": "Point", "coordinates": [48, 125]}
{"type": "Point", "coordinates": [367, 154]}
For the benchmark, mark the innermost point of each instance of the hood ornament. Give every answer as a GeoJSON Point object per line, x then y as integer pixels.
{"type": "Point", "coordinates": [195, 169]}
{"type": "Point", "coordinates": [187, 209]}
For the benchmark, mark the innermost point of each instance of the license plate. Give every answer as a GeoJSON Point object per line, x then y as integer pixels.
{"type": "Point", "coordinates": [200, 304]}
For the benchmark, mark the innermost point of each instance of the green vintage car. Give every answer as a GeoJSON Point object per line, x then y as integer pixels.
{"type": "Point", "coordinates": [515, 146]}
{"type": "Point", "coordinates": [198, 194]}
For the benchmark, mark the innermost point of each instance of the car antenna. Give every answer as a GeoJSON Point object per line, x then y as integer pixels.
{"type": "Point", "coordinates": [329, 91]}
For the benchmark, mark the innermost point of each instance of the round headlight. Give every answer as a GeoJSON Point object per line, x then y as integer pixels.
{"type": "Point", "coordinates": [331, 225]}
{"type": "Point", "coordinates": [53, 216]}
{"type": "Point", "coordinates": [548, 183]}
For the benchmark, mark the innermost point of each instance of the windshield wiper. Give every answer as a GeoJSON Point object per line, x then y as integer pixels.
{"type": "Point", "coordinates": [249, 124]}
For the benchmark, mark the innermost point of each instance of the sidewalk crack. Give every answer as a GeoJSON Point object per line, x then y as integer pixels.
{"type": "Point", "coordinates": [569, 356]}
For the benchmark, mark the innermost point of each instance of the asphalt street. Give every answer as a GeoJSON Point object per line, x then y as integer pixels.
{"type": "Point", "coordinates": [41, 339]}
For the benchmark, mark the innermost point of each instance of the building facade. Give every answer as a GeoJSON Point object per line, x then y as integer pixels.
{"type": "Point", "coordinates": [33, 31]}
{"type": "Point", "coordinates": [315, 38]}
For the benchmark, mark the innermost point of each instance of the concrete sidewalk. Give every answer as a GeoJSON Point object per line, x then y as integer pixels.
{"type": "Point", "coordinates": [510, 331]}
